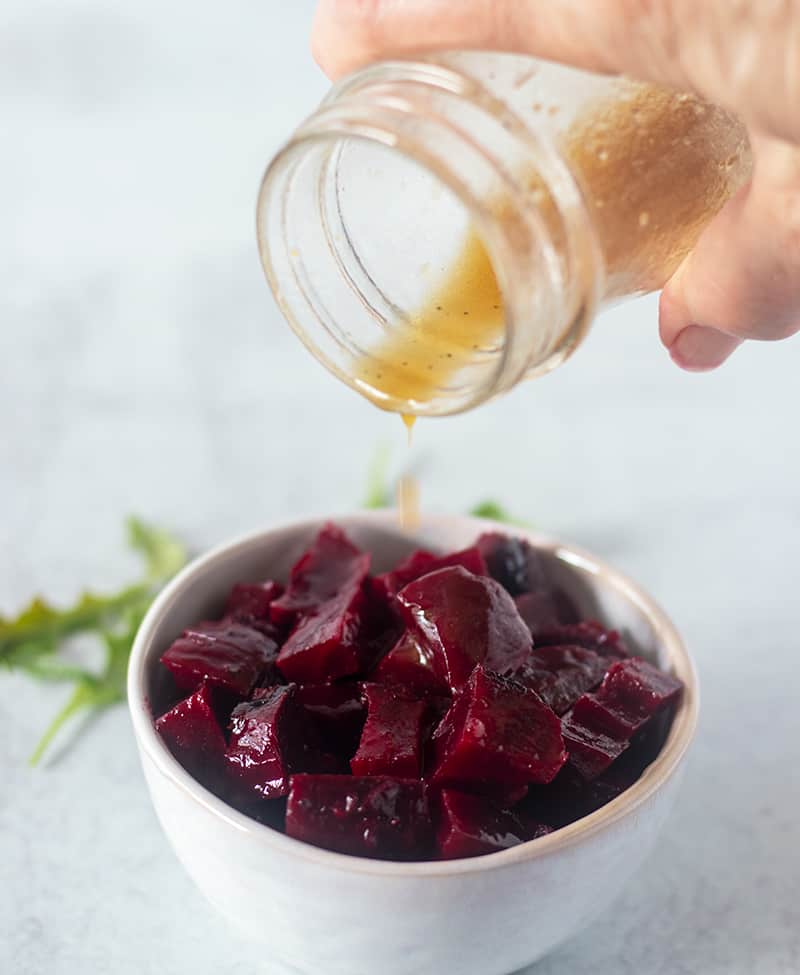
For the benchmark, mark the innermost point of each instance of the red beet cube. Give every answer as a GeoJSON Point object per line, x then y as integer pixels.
{"type": "Point", "coordinates": [598, 728]}
{"type": "Point", "coordinates": [331, 565]}
{"type": "Point", "coordinates": [337, 712]}
{"type": "Point", "coordinates": [591, 712]}
{"type": "Point", "coordinates": [267, 742]}
{"type": "Point", "coordinates": [561, 674]}
{"type": "Point", "coordinates": [589, 634]}
{"type": "Point", "coordinates": [420, 563]}
{"type": "Point", "coordinates": [497, 735]}
{"type": "Point", "coordinates": [326, 644]}
{"type": "Point", "coordinates": [370, 816]}
{"type": "Point", "coordinates": [410, 662]}
{"type": "Point", "coordinates": [470, 825]}
{"type": "Point", "coordinates": [590, 751]}
{"type": "Point", "coordinates": [636, 688]}
{"type": "Point", "coordinates": [223, 654]}
{"type": "Point", "coordinates": [192, 732]}
{"type": "Point", "coordinates": [464, 619]}
{"type": "Point", "coordinates": [391, 742]}
{"type": "Point", "coordinates": [252, 600]}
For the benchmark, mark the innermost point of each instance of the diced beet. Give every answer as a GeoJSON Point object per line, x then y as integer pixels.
{"type": "Point", "coordinates": [636, 688]}
{"type": "Point", "coordinates": [513, 562]}
{"type": "Point", "coordinates": [325, 645]}
{"type": "Point", "coordinates": [470, 825]}
{"type": "Point", "coordinates": [420, 563]}
{"type": "Point", "coordinates": [464, 619]}
{"type": "Point", "coordinates": [338, 712]}
{"type": "Point", "coordinates": [252, 600]}
{"type": "Point", "coordinates": [267, 742]}
{"type": "Point", "coordinates": [589, 634]}
{"type": "Point", "coordinates": [370, 816]}
{"type": "Point", "coordinates": [598, 728]}
{"type": "Point", "coordinates": [561, 674]}
{"type": "Point", "coordinates": [590, 752]}
{"type": "Point", "coordinates": [410, 662]}
{"type": "Point", "coordinates": [591, 712]}
{"type": "Point", "coordinates": [331, 565]}
{"type": "Point", "coordinates": [192, 732]}
{"type": "Point", "coordinates": [497, 734]}
{"type": "Point", "coordinates": [391, 742]}
{"type": "Point", "coordinates": [223, 654]}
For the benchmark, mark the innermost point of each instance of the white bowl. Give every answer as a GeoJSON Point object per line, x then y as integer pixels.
{"type": "Point", "coordinates": [325, 912]}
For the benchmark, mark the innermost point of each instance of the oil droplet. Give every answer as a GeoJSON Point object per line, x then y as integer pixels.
{"type": "Point", "coordinates": [644, 218]}
{"type": "Point", "coordinates": [409, 420]}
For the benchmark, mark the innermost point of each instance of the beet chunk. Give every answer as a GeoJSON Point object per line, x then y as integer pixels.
{"type": "Point", "coordinates": [638, 689]}
{"type": "Point", "coordinates": [464, 619]}
{"type": "Point", "coordinates": [223, 654]}
{"type": "Point", "coordinates": [410, 662]}
{"type": "Point", "coordinates": [560, 675]}
{"type": "Point", "coordinates": [192, 732]}
{"type": "Point", "coordinates": [391, 742]}
{"type": "Point", "coordinates": [252, 600]}
{"type": "Point", "coordinates": [589, 634]}
{"type": "Point", "coordinates": [337, 712]}
{"type": "Point", "coordinates": [590, 752]}
{"type": "Point", "coordinates": [470, 825]}
{"type": "Point", "coordinates": [326, 644]}
{"type": "Point", "coordinates": [268, 742]}
{"type": "Point", "coordinates": [497, 735]}
{"type": "Point", "coordinates": [370, 816]}
{"type": "Point", "coordinates": [331, 565]}
{"type": "Point", "coordinates": [420, 563]}
{"type": "Point", "coordinates": [598, 728]}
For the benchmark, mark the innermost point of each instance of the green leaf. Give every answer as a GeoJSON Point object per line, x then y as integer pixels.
{"type": "Point", "coordinates": [496, 512]}
{"type": "Point", "coordinates": [41, 626]}
{"type": "Point", "coordinates": [163, 554]}
{"type": "Point", "coordinates": [33, 642]}
{"type": "Point", "coordinates": [378, 494]}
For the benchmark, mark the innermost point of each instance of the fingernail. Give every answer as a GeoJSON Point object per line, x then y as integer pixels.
{"type": "Point", "coordinates": [698, 348]}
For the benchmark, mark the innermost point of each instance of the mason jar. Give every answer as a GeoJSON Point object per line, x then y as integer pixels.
{"type": "Point", "coordinates": [442, 228]}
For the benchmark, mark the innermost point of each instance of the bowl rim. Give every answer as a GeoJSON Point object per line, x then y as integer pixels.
{"type": "Point", "coordinates": [654, 777]}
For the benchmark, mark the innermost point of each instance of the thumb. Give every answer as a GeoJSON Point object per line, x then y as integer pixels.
{"type": "Point", "coordinates": [742, 280]}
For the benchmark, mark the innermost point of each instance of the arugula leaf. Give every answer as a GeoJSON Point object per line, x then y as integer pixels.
{"type": "Point", "coordinates": [34, 642]}
{"type": "Point", "coordinates": [163, 554]}
{"type": "Point", "coordinates": [378, 493]}
{"type": "Point", "coordinates": [496, 512]}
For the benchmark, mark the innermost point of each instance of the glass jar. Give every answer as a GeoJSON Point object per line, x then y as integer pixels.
{"type": "Point", "coordinates": [440, 229]}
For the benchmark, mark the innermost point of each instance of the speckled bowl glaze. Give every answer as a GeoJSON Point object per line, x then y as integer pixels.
{"type": "Point", "coordinates": [320, 911]}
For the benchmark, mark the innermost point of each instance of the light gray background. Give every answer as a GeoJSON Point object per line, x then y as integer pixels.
{"type": "Point", "coordinates": [145, 369]}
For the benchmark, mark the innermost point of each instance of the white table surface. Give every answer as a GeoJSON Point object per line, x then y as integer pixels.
{"type": "Point", "coordinates": [144, 368]}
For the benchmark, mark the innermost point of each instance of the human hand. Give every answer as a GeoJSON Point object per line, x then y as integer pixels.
{"type": "Point", "coordinates": [742, 280]}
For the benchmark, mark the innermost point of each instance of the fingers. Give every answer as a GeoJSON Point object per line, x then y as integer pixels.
{"type": "Point", "coordinates": [742, 54]}
{"type": "Point", "coordinates": [742, 280]}
{"type": "Point", "coordinates": [350, 33]}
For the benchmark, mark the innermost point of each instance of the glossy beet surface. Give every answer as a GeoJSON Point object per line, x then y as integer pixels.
{"type": "Point", "coordinates": [370, 816]}
{"type": "Point", "coordinates": [463, 620]}
{"type": "Point", "coordinates": [453, 706]}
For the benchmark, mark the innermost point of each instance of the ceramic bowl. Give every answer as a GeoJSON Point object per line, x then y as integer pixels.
{"type": "Point", "coordinates": [324, 912]}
